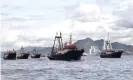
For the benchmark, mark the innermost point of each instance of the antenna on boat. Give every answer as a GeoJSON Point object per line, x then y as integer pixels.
{"type": "Point", "coordinates": [107, 43]}
{"type": "Point", "coordinates": [22, 49]}
{"type": "Point", "coordinates": [70, 39]}
{"type": "Point", "coordinates": [61, 40]}
{"type": "Point", "coordinates": [104, 44]}
{"type": "Point", "coordinates": [60, 34]}
{"type": "Point", "coordinates": [56, 33]}
{"type": "Point", "coordinates": [108, 36]}
{"type": "Point", "coordinates": [34, 51]}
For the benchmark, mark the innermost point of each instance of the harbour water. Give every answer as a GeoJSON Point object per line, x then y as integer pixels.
{"type": "Point", "coordinates": [88, 68]}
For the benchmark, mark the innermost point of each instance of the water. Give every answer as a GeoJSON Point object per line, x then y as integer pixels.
{"type": "Point", "coordinates": [88, 68]}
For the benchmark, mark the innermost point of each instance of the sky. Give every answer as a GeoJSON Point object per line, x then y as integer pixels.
{"type": "Point", "coordinates": [35, 22]}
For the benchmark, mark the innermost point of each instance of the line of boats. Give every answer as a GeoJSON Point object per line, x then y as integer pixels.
{"type": "Point", "coordinates": [67, 51]}
{"type": "Point", "coordinates": [12, 55]}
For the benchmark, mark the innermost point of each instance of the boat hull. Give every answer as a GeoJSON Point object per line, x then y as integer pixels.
{"type": "Point", "coordinates": [36, 56]}
{"type": "Point", "coordinates": [112, 55]}
{"type": "Point", "coordinates": [10, 56]}
{"type": "Point", "coordinates": [23, 56]}
{"type": "Point", "coordinates": [70, 55]}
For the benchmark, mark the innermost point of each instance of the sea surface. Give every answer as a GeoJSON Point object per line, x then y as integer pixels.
{"type": "Point", "coordinates": [88, 68]}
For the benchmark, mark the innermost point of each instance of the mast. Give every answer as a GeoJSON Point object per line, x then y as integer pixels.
{"type": "Point", "coordinates": [107, 43]}
{"type": "Point", "coordinates": [59, 40]}
{"type": "Point", "coordinates": [34, 51]}
{"type": "Point", "coordinates": [108, 37]}
{"type": "Point", "coordinates": [22, 50]}
{"type": "Point", "coordinates": [54, 44]}
{"type": "Point", "coordinates": [104, 45]}
{"type": "Point", "coordinates": [70, 42]}
{"type": "Point", "coordinates": [59, 44]}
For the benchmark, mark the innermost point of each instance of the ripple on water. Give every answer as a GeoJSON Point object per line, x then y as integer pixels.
{"type": "Point", "coordinates": [88, 68]}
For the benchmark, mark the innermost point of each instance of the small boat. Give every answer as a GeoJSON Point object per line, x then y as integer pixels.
{"type": "Point", "coordinates": [108, 52]}
{"type": "Point", "coordinates": [10, 55]}
{"type": "Point", "coordinates": [66, 52]}
{"type": "Point", "coordinates": [23, 55]}
{"type": "Point", "coordinates": [35, 54]}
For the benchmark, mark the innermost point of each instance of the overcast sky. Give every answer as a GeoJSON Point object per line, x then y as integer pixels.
{"type": "Point", "coordinates": [35, 22]}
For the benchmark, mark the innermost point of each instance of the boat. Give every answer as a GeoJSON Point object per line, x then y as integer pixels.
{"type": "Point", "coordinates": [10, 55]}
{"type": "Point", "coordinates": [111, 54]}
{"type": "Point", "coordinates": [35, 54]}
{"type": "Point", "coordinates": [108, 52]}
{"type": "Point", "coordinates": [23, 55]}
{"type": "Point", "coordinates": [67, 52]}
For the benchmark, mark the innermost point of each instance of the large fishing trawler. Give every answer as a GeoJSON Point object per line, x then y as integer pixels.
{"type": "Point", "coordinates": [10, 55]}
{"type": "Point", "coordinates": [108, 52]}
{"type": "Point", "coordinates": [23, 55]}
{"type": "Point", "coordinates": [67, 52]}
{"type": "Point", "coordinates": [35, 54]}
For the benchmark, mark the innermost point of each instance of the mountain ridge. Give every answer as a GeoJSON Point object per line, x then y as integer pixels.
{"type": "Point", "coordinates": [81, 44]}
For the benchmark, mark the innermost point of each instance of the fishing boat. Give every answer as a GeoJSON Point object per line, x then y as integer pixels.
{"type": "Point", "coordinates": [35, 54]}
{"type": "Point", "coordinates": [67, 52]}
{"type": "Point", "coordinates": [10, 55]}
{"type": "Point", "coordinates": [23, 55]}
{"type": "Point", "coordinates": [108, 52]}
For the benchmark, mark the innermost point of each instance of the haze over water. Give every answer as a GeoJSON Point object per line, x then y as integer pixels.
{"type": "Point", "coordinates": [88, 68]}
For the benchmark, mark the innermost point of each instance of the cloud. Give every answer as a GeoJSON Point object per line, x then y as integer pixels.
{"type": "Point", "coordinates": [36, 17]}
{"type": "Point", "coordinates": [7, 45]}
{"type": "Point", "coordinates": [16, 19]}
{"type": "Point", "coordinates": [124, 14]}
{"type": "Point", "coordinates": [35, 23]}
{"type": "Point", "coordinates": [33, 39]}
{"type": "Point", "coordinates": [125, 23]}
{"type": "Point", "coordinates": [85, 12]}
{"type": "Point", "coordinates": [5, 14]}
